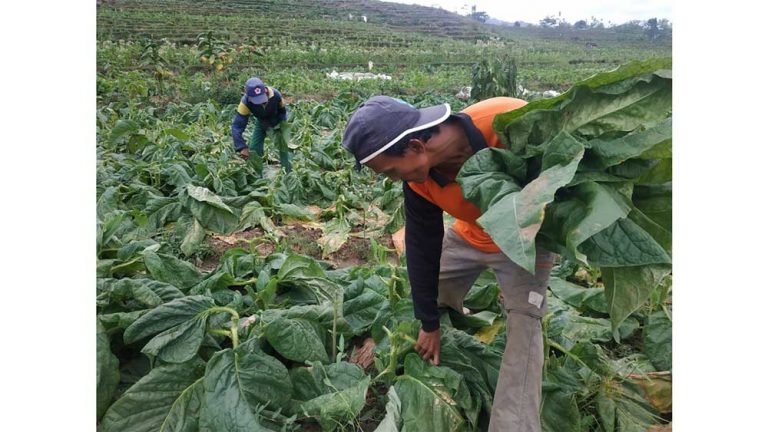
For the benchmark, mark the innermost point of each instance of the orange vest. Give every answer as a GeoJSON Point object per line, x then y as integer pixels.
{"type": "Point", "coordinates": [450, 198]}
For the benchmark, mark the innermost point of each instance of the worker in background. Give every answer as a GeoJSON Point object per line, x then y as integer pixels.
{"type": "Point", "coordinates": [266, 104]}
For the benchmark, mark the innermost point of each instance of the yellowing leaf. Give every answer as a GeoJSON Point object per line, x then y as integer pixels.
{"type": "Point", "coordinates": [487, 334]}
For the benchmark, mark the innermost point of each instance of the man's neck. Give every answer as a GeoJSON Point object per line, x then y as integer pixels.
{"type": "Point", "coordinates": [454, 152]}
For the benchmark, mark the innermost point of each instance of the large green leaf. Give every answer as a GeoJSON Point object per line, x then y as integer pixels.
{"type": "Point", "coordinates": [624, 244]}
{"type": "Point", "coordinates": [107, 202]}
{"type": "Point", "coordinates": [318, 379]}
{"type": "Point", "coordinates": [662, 235]}
{"type": "Point", "coordinates": [320, 318]}
{"type": "Point", "coordinates": [361, 311]}
{"type": "Point", "coordinates": [253, 215]}
{"type": "Point", "coordinates": [168, 399]}
{"type": "Point", "coordinates": [560, 412]}
{"type": "Point", "coordinates": [490, 175]}
{"type": "Point", "coordinates": [177, 174]}
{"type": "Point", "coordinates": [119, 293]}
{"type": "Point", "coordinates": [305, 273]}
{"type": "Point", "coordinates": [472, 321]}
{"type": "Point", "coordinates": [120, 320]}
{"type": "Point", "coordinates": [107, 228]}
{"type": "Point", "coordinates": [482, 295]}
{"type": "Point", "coordinates": [229, 380]}
{"type": "Point", "coordinates": [169, 269]}
{"type": "Point", "coordinates": [177, 133]}
{"type": "Point", "coordinates": [604, 152]}
{"type": "Point", "coordinates": [180, 343]}
{"type": "Point", "coordinates": [514, 220]}
{"type": "Point", "coordinates": [633, 412]}
{"type": "Point", "coordinates": [166, 316]}
{"type": "Point", "coordinates": [299, 267]}
{"type": "Point", "coordinates": [338, 407]}
{"type": "Point", "coordinates": [107, 372]}
{"type": "Point", "coordinates": [210, 210]}
{"type": "Point", "coordinates": [606, 410]}
{"type": "Point", "coordinates": [123, 128]}
{"type": "Point", "coordinates": [202, 194]}
{"type": "Point", "coordinates": [477, 363]}
{"type": "Point", "coordinates": [296, 339]}
{"type": "Point", "coordinates": [590, 208]}
{"type": "Point", "coordinates": [135, 248]}
{"type": "Point", "coordinates": [578, 296]}
{"type": "Point", "coordinates": [627, 288]}
{"type": "Point", "coordinates": [215, 281]}
{"type": "Point", "coordinates": [266, 379]}
{"type": "Point", "coordinates": [634, 95]}
{"type": "Point", "coordinates": [162, 210]}
{"type": "Point", "coordinates": [657, 340]}
{"type": "Point", "coordinates": [655, 201]}
{"type": "Point", "coordinates": [431, 397]}
{"type": "Point", "coordinates": [390, 317]}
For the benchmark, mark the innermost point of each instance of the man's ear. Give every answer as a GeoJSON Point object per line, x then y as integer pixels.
{"type": "Point", "coordinates": [416, 145]}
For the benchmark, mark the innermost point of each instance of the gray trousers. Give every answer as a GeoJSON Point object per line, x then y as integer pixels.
{"type": "Point", "coordinates": [518, 390]}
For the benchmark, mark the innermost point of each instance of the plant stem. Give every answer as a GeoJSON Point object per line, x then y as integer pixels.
{"type": "Point", "coordinates": [233, 326]}
{"type": "Point", "coordinates": [562, 349]}
{"type": "Point", "coordinates": [333, 331]}
{"type": "Point", "coordinates": [220, 332]}
{"type": "Point", "coordinates": [245, 282]}
{"type": "Point", "coordinates": [126, 264]}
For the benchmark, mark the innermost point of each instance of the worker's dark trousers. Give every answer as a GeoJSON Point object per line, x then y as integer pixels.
{"type": "Point", "coordinates": [281, 136]}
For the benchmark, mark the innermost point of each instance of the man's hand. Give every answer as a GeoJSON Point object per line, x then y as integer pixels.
{"type": "Point", "coordinates": [428, 346]}
{"type": "Point", "coordinates": [244, 153]}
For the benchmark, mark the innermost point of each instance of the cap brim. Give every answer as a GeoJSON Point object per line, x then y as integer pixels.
{"type": "Point", "coordinates": [431, 116]}
{"type": "Point", "coordinates": [428, 117]}
{"type": "Point", "coordinates": [258, 100]}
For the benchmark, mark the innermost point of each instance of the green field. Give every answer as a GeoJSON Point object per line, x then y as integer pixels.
{"type": "Point", "coordinates": [281, 300]}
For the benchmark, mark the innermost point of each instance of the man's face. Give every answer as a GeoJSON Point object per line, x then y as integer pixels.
{"type": "Point", "coordinates": [412, 166]}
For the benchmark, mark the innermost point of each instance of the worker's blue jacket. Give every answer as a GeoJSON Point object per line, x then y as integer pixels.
{"type": "Point", "coordinates": [270, 114]}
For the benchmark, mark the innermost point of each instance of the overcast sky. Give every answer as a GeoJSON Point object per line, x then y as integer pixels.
{"type": "Point", "coordinates": [616, 11]}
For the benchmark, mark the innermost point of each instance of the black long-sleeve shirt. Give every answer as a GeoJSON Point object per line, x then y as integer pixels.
{"type": "Point", "coordinates": [423, 244]}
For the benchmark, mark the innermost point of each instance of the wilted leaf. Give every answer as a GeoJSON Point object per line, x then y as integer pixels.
{"type": "Point", "coordinates": [107, 372]}
{"type": "Point", "coordinates": [167, 316]}
{"type": "Point", "coordinates": [169, 398]}
{"type": "Point", "coordinates": [194, 237]}
{"type": "Point", "coordinates": [227, 383]}
{"type": "Point", "coordinates": [657, 340]}
{"type": "Point", "coordinates": [296, 339]}
{"type": "Point", "coordinates": [392, 419]}
{"type": "Point", "coordinates": [627, 288]}
{"type": "Point", "coordinates": [430, 397]}
{"type": "Point", "coordinates": [210, 210]}
{"type": "Point", "coordinates": [657, 389]}
{"type": "Point", "coordinates": [167, 268]}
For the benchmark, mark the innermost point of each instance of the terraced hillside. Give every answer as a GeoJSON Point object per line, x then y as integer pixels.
{"type": "Point", "coordinates": [387, 23]}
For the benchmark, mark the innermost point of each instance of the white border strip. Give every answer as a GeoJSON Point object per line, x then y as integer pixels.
{"type": "Point", "coordinates": [407, 131]}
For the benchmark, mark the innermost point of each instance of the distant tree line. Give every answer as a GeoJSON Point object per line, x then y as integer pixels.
{"type": "Point", "coordinates": [653, 28]}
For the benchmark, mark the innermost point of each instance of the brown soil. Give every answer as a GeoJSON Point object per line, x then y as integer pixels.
{"type": "Point", "coordinates": [301, 239]}
{"type": "Point", "coordinates": [220, 244]}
